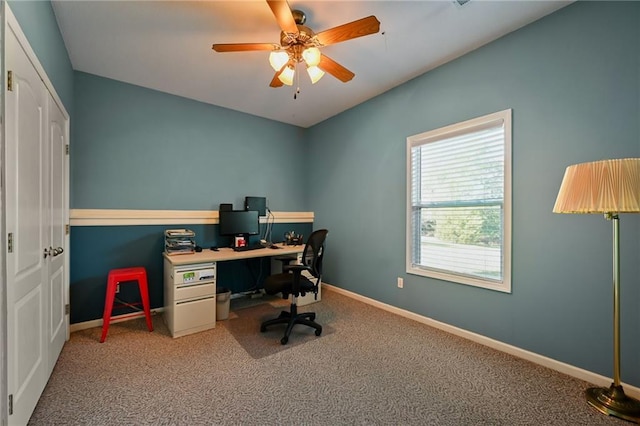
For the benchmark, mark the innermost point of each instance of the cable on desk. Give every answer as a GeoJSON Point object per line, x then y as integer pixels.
{"type": "Point", "coordinates": [267, 230]}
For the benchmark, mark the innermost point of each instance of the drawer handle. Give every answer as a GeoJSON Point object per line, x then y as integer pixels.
{"type": "Point", "coordinates": [195, 284]}
{"type": "Point", "coordinates": [182, 302]}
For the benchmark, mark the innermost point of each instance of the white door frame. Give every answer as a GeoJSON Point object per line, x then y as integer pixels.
{"type": "Point", "coordinates": [4, 415]}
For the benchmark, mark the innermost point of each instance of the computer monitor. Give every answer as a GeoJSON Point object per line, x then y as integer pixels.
{"type": "Point", "coordinates": [239, 222]}
{"type": "Point", "coordinates": [256, 203]}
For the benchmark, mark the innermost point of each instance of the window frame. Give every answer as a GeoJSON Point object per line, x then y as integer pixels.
{"type": "Point", "coordinates": [466, 127]}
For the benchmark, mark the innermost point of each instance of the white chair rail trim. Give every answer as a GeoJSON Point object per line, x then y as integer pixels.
{"type": "Point", "coordinates": [115, 217]}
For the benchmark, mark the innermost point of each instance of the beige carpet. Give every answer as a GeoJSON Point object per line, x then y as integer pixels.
{"type": "Point", "coordinates": [376, 368]}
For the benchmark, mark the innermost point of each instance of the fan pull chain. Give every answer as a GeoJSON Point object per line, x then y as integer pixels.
{"type": "Point", "coordinates": [297, 76]}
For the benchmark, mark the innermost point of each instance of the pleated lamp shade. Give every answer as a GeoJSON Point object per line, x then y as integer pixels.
{"type": "Point", "coordinates": [606, 186]}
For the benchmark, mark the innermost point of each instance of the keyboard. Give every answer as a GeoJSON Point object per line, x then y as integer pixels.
{"type": "Point", "coordinates": [247, 248]}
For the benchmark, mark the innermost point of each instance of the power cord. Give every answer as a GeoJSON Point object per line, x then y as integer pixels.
{"type": "Point", "coordinates": [268, 227]}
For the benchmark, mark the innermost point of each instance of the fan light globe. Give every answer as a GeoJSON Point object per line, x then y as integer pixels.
{"type": "Point", "coordinates": [315, 74]}
{"type": "Point", "coordinates": [311, 56]}
{"type": "Point", "coordinates": [286, 76]}
{"type": "Point", "coordinates": [277, 59]}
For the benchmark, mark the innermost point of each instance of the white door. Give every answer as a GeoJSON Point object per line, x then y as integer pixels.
{"type": "Point", "coordinates": [57, 323]}
{"type": "Point", "coordinates": [28, 237]}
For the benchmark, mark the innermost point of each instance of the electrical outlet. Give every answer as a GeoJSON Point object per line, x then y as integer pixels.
{"type": "Point", "coordinates": [400, 283]}
{"type": "Point", "coordinates": [117, 288]}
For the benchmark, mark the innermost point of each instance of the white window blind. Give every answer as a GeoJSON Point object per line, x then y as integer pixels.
{"type": "Point", "coordinates": [459, 202]}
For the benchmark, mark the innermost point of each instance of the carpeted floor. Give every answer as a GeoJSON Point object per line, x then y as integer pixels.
{"type": "Point", "coordinates": [244, 324]}
{"type": "Point", "coordinates": [374, 368]}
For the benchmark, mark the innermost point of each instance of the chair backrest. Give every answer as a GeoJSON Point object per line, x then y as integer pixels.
{"type": "Point", "coordinates": [314, 251]}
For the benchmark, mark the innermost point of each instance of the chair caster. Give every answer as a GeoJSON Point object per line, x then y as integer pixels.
{"type": "Point", "coordinates": [284, 340]}
{"type": "Point", "coordinates": [318, 332]}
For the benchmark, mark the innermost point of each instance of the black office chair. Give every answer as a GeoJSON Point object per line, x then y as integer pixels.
{"type": "Point", "coordinates": [292, 282]}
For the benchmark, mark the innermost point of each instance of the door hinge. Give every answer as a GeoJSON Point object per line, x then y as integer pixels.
{"type": "Point", "coordinates": [66, 229]}
{"type": "Point", "coordinates": [66, 149]}
{"type": "Point", "coordinates": [67, 309]}
{"type": "Point", "coordinates": [11, 404]}
{"type": "Point", "coordinates": [10, 81]}
{"type": "Point", "coordinates": [10, 242]}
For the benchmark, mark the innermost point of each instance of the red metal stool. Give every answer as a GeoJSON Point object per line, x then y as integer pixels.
{"type": "Point", "coordinates": [117, 276]}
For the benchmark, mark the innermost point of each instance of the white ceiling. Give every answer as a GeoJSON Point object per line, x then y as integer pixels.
{"type": "Point", "coordinates": [166, 46]}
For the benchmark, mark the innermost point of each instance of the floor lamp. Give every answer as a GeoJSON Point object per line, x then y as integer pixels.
{"type": "Point", "coordinates": [608, 187]}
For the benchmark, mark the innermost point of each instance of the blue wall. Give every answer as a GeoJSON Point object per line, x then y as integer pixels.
{"type": "Point", "coordinates": [97, 249]}
{"type": "Point", "coordinates": [38, 22]}
{"type": "Point", "coordinates": [572, 80]}
{"type": "Point", "coordinates": [135, 148]}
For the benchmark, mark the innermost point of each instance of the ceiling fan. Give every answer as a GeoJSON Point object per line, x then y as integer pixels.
{"type": "Point", "coordinates": [299, 44]}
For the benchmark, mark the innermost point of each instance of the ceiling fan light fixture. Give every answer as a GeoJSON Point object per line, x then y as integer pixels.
{"type": "Point", "coordinates": [311, 56]}
{"type": "Point", "coordinates": [286, 76]}
{"type": "Point", "coordinates": [299, 43]}
{"type": "Point", "coordinates": [315, 74]}
{"type": "Point", "coordinates": [277, 59]}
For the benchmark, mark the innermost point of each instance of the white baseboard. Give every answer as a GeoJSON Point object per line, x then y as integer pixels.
{"type": "Point", "coordinates": [553, 364]}
{"type": "Point", "coordinates": [114, 319]}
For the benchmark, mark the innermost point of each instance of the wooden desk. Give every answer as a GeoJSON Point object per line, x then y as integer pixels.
{"type": "Point", "coordinates": [190, 285]}
{"type": "Point", "coordinates": [223, 254]}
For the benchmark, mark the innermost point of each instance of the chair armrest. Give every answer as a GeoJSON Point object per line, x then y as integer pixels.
{"type": "Point", "coordinates": [296, 268]}
{"type": "Point", "coordinates": [286, 260]}
{"type": "Point", "coordinates": [297, 278]}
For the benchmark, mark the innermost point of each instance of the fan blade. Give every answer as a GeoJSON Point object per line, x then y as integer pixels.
{"type": "Point", "coordinates": [282, 12]}
{"type": "Point", "coordinates": [355, 29]}
{"type": "Point", "coordinates": [335, 69]}
{"type": "Point", "coordinates": [244, 47]}
{"type": "Point", "coordinates": [275, 81]}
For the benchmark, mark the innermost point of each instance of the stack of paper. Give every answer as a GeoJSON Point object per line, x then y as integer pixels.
{"type": "Point", "coordinates": [179, 241]}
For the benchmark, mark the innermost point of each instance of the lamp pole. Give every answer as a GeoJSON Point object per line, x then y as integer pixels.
{"type": "Point", "coordinates": [613, 401]}
{"type": "Point", "coordinates": [616, 296]}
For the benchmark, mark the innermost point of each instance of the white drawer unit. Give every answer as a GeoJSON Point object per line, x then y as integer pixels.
{"type": "Point", "coordinates": [189, 297]}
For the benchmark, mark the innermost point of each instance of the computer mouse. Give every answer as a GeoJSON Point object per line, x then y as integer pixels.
{"type": "Point", "coordinates": [198, 249]}
{"type": "Point", "coordinates": [214, 248]}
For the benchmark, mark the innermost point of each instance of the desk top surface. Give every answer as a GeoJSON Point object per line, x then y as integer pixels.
{"type": "Point", "coordinates": [207, 255]}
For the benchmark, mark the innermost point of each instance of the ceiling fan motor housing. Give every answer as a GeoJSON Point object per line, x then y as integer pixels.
{"type": "Point", "coordinates": [304, 36]}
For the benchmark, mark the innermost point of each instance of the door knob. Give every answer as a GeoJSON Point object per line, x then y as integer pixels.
{"type": "Point", "coordinates": [57, 251]}
{"type": "Point", "coordinates": [47, 252]}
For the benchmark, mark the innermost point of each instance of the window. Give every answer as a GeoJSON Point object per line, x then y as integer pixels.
{"type": "Point", "coordinates": [459, 202]}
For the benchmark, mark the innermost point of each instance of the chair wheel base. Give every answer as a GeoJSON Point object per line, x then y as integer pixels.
{"type": "Point", "coordinates": [291, 319]}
